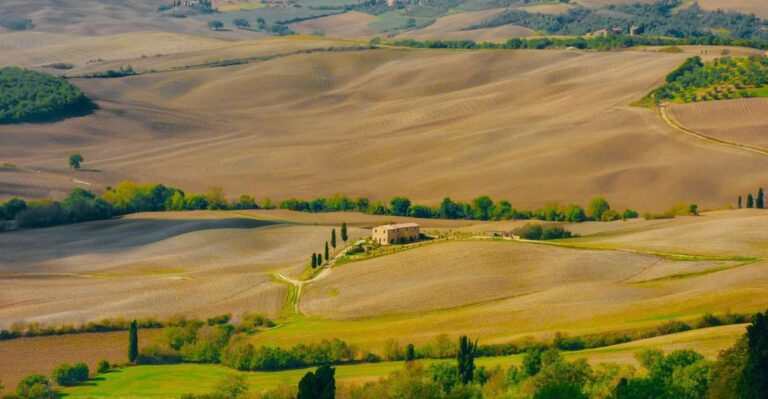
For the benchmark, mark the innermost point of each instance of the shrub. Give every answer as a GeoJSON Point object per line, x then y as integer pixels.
{"type": "Point", "coordinates": [216, 25]}
{"type": "Point", "coordinates": [35, 386]}
{"type": "Point", "coordinates": [533, 231]}
{"type": "Point", "coordinates": [102, 367]}
{"type": "Point", "coordinates": [221, 319]}
{"type": "Point", "coordinates": [156, 354]}
{"type": "Point", "coordinates": [242, 23]}
{"type": "Point", "coordinates": [67, 375]}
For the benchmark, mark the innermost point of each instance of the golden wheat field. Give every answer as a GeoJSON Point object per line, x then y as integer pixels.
{"type": "Point", "coordinates": [331, 121]}
{"type": "Point", "coordinates": [328, 112]}
{"type": "Point", "coordinates": [741, 120]}
{"type": "Point", "coordinates": [444, 276]}
{"type": "Point", "coordinates": [157, 265]}
{"type": "Point", "coordinates": [25, 356]}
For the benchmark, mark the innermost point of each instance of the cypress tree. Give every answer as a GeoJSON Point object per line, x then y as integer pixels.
{"type": "Point", "coordinates": [344, 236]}
{"type": "Point", "coordinates": [739, 202]}
{"type": "Point", "coordinates": [314, 261]}
{"type": "Point", "coordinates": [466, 359]}
{"type": "Point", "coordinates": [759, 204]}
{"type": "Point", "coordinates": [327, 253]}
{"type": "Point", "coordinates": [755, 377]}
{"type": "Point", "coordinates": [333, 238]}
{"type": "Point", "coordinates": [750, 201]}
{"type": "Point", "coordinates": [133, 342]}
{"type": "Point", "coordinates": [410, 353]}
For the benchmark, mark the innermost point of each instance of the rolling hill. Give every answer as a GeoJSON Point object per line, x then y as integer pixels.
{"type": "Point", "coordinates": [347, 115]}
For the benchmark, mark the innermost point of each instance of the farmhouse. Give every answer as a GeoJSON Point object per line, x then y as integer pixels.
{"type": "Point", "coordinates": [396, 233]}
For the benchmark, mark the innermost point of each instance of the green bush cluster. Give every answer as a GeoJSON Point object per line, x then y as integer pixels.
{"type": "Point", "coordinates": [532, 231]}
{"type": "Point", "coordinates": [112, 73]}
{"type": "Point", "coordinates": [599, 43]}
{"type": "Point", "coordinates": [29, 96]}
{"type": "Point", "coordinates": [68, 375]}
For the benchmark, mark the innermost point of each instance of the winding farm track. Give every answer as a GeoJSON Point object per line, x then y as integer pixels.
{"type": "Point", "coordinates": [299, 284]}
{"type": "Point", "coordinates": [669, 120]}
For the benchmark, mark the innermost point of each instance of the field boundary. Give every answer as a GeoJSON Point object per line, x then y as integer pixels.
{"type": "Point", "coordinates": [671, 122]}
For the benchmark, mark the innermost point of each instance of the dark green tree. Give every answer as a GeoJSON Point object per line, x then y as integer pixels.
{"type": "Point", "coordinates": [241, 23]}
{"type": "Point", "coordinates": [756, 370]}
{"type": "Point", "coordinates": [344, 236]}
{"type": "Point", "coordinates": [598, 207]}
{"type": "Point", "coordinates": [739, 202]}
{"type": "Point", "coordinates": [532, 361]}
{"type": "Point", "coordinates": [466, 359]}
{"type": "Point", "coordinates": [333, 238]}
{"type": "Point", "coordinates": [318, 385]}
{"type": "Point", "coordinates": [759, 202]}
{"type": "Point", "coordinates": [215, 25]}
{"type": "Point", "coordinates": [482, 207]}
{"type": "Point", "coordinates": [314, 261]}
{"type": "Point", "coordinates": [410, 353]}
{"type": "Point", "coordinates": [750, 201]}
{"type": "Point", "coordinates": [133, 342]}
{"type": "Point", "coordinates": [399, 206]}
{"type": "Point", "coordinates": [75, 160]}
{"type": "Point", "coordinates": [327, 252]}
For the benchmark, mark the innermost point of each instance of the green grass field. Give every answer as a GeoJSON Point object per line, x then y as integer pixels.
{"type": "Point", "coordinates": [174, 380]}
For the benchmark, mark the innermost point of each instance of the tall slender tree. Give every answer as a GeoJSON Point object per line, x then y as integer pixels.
{"type": "Point", "coordinates": [333, 238]}
{"type": "Point", "coordinates": [756, 370]}
{"type": "Point", "coordinates": [133, 342]}
{"type": "Point", "coordinates": [344, 236]}
{"type": "Point", "coordinates": [759, 202]}
{"type": "Point", "coordinates": [750, 201]}
{"type": "Point", "coordinates": [314, 260]}
{"type": "Point", "coordinates": [327, 252]}
{"type": "Point", "coordinates": [466, 359]}
{"type": "Point", "coordinates": [739, 202]}
{"type": "Point", "coordinates": [410, 353]}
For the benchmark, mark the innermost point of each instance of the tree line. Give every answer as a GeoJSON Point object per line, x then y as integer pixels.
{"type": "Point", "coordinates": [598, 43]}
{"type": "Point", "coordinates": [758, 201]}
{"type": "Point", "coordinates": [129, 197]}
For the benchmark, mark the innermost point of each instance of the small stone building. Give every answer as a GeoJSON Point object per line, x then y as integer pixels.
{"type": "Point", "coordinates": [396, 233]}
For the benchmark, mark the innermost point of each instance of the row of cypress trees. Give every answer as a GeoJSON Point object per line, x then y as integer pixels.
{"type": "Point", "coordinates": [317, 259]}
{"type": "Point", "coordinates": [754, 202]}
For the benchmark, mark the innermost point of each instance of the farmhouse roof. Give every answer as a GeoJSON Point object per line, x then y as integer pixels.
{"type": "Point", "coordinates": [399, 225]}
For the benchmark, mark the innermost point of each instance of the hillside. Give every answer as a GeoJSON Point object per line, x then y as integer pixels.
{"type": "Point", "coordinates": [201, 122]}
{"type": "Point", "coordinates": [741, 120]}
{"type": "Point", "coordinates": [456, 274]}
{"type": "Point", "coordinates": [156, 265]}
{"type": "Point", "coordinates": [452, 27]}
